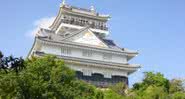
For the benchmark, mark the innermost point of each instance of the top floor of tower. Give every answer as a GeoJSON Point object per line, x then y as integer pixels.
{"type": "Point", "coordinates": [71, 18]}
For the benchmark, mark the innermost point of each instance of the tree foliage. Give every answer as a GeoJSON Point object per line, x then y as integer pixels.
{"type": "Point", "coordinates": [1, 55]}
{"type": "Point", "coordinates": [176, 85]}
{"type": "Point", "coordinates": [152, 79]}
{"type": "Point", "coordinates": [10, 63]}
{"type": "Point", "coordinates": [120, 88]}
{"type": "Point", "coordinates": [44, 78]}
{"type": "Point", "coordinates": [153, 86]}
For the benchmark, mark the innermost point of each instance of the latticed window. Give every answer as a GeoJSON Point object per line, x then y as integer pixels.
{"type": "Point", "coordinates": [87, 53]}
{"type": "Point", "coordinates": [66, 51]}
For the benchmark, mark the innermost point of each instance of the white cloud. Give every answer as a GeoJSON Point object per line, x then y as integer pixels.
{"type": "Point", "coordinates": [40, 23]}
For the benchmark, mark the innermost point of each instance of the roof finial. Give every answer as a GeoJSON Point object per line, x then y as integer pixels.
{"type": "Point", "coordinates": [63, 2]}
{"type": "Point", "coordinates": [92, 8]}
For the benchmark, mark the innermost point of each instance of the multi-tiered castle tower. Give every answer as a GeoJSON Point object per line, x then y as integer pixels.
{"type": "Point", "coordinates": [79, 36]}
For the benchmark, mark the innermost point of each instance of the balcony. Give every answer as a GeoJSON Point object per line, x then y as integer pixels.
{"type": "Point", "coordinates": [84, 23]}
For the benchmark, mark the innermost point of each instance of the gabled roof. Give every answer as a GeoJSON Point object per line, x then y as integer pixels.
{"type": "Point", "coordinates": [86, 36]}
{"type": "Point", "coordinates": [109, 44]}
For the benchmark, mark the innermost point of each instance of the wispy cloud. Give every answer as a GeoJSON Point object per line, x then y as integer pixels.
{"type": "Point", "coordinates": [40, 23]}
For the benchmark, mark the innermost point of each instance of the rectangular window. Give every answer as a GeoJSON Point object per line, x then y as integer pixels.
{"type": "Point", "coordinates": [107, 56]}
{"type": "Point", "coordinates": [87, 53]}
{"type": "Point", "coordinates": [66, 51]}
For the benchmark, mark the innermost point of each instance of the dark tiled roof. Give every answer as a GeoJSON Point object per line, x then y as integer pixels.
{"type": "Point", "coordinates": [109, 42]}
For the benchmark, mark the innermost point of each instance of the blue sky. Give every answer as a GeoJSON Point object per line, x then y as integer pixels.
{"type": "Point", "coordinates": [154, 27]}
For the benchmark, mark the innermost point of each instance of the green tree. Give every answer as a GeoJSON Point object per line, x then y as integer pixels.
{"type": "Point", "coordinates": [1, 55]}
{"type": "Point", "coordinates": [152, 79]}
{"type": "Point", "coordinates": [177, 90]}
{"type": "Point", "coordinates": [44, 78]}
{"type": "Point", "coordinates": [153, 92]}
{"type": "Point", "coordinates": [120, 88]}
{"type": "Point", "coordinates": [8, 85]}
{"type": "Point", "coordinates": [153, 86]}
{"type": "Point", "coordinates": [10, 63]}
{"type": "Point", "coordinates": [99, 94]}
{"type": "Point", "coordinates": [110, 94]}
{"type": "Point", "coordinates": [176, 85]}
{"type": "Point", "coordinates": [178, 95]}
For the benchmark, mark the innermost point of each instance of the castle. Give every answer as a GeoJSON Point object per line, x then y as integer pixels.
{"type": "Point", "coordinates": [79, 37]}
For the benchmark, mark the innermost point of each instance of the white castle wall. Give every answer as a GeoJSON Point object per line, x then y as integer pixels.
{"type": "Point", "coordinates": [56, 50]}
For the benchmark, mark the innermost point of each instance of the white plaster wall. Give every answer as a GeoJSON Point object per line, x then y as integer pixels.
{"type": "Point", "coordinates": [56, 50]}
{"type": "Point", "coordinates": [119, 58]}
{"type": "Point", "coordinates": [95, 55]}
{"type": "Point", "coordinates": [99, 56]}
{"type": "Point", "coordinates": [51, 49]}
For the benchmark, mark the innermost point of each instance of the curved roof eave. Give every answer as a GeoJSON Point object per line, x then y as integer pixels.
{"type": "Point", "coordinates": [31, 50]}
